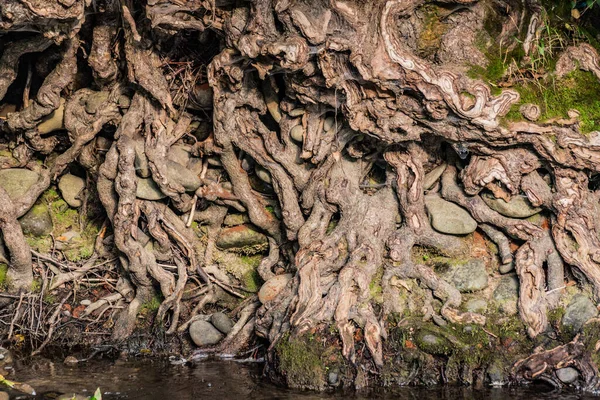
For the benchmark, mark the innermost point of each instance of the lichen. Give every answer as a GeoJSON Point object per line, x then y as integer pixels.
{"type": "Point", "coordinates": [300, 362]}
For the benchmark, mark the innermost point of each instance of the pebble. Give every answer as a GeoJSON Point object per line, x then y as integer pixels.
{"type": "Point", "coordinates": [297, 133]}
{"type": "Point", "coordinates": [203, 333]}
{"type": "Point", "coordinates": [148, 190]}
{"type": "Point", "coordinates": [240, 236]}
{"type": "Point", "coordinates": [506, 294]}
{"type": "Point", "coordinates": [271, 288]}
{"type": "Point", "coordinates": [432, 176]}
{"type": "Point", "coordinates": [222, 322]}
{"type": "Point", "coordinates": [517, 207]}
{"type": "Point", "coordinates": [468, 277]}
{"type": "Point", "coordinates": [17, 181]}
{"type": "Point", "coordinates": [579, 310]}
{"type": "Point", "coordinates": [567, 375]}
{"type": "Point", "coordinates": [70, 187]}
{"type": "Point", "coordinates": [37, 221]}
{"type": "Point", "coordinates": [447, 217]}
{"type": "Point", "coordinates": [85, 302]}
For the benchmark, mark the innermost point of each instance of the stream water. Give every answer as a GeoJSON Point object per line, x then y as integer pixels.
{"type": "Point", "coordinates": [157, 380]}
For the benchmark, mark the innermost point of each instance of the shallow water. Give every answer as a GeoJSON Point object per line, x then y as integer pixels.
{"type": "Point", "coordinates": [140, 379]}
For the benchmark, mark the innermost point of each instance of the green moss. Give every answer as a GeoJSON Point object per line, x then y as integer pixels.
{"type": "Point", "coordinates": [152, 305]}
{"type": "Point", "coordinates": [300, 362]}
{"type": "Point", "coordinates": [375, 288]}
{"type": "Point", "coordinates": [432, 32]}
{"type": "Point", "coordinates": [36, 285]}
{"type": "Point", "coordinates": [41, 244]}
{"type": "Point", "coordinates": [3, 271]}
{"type": "Point", "coordinates": [578, 90]}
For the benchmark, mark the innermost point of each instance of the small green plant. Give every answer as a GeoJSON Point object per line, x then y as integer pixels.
{"type": "Point", "coordinates": [97, 395]}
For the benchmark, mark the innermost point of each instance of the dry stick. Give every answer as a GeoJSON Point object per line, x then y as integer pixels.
{"type": "Point", "coordinates": [52, 323]}
{"type": "Point", "coordinates": [14, 319]}
{"type": "Point", "coordinates": [192, 211]}
{"type": "Point", "coordinates": [73, 275]}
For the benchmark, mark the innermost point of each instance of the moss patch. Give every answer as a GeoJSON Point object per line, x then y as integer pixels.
{"type": "Point", "coordinates": [300, 362]}
{"type": "Point", "coordinates": [3, 271]}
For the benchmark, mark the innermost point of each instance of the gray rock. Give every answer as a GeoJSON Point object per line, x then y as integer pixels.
{"type": "Point", "coordinates": [180, 154]}
{"type": "Point", "coordinates": [433, 344]}
{"type": "Point", "coordinates": [37, 221]}
{"type": "Point", "coordinates": [567, 375]}
{"type": "Point", "coordinates": [148, 190]}
{"type": "Point", "coordinates": [239, 237]}
{"type": "Point", "coordinates": [236, 219]}
{"type": "Point", "coordinates": [203, 333]}
{"type": "Point", "coordinates": [468, 277]}
{"type": "Point", "coordinates": [447, 217]}
{"type": "Point", "coordinates": [70, 187]}
{"type": "Point", "coordinates": [141, 161]}
{"type": "Point", "coordinates": [333, 377]}
{"type": "Point", "coordinates": [17, 181]}
{"type": "Point", "coordinates": [432, 176]}
{"type": "Point", "coordinates": [578, 312]}
{"type": "Point", "coordinates": [183, 176]}
{"type": "Point", "coordinates": [506, 268]}
{"type": "Point", "coordinates": [195, 165]}
{"type": "Point", "coordinates": [271, 288]}
{"type": "Point", "coordinates": [476, 306]}
{"type": "Point", "coordinates": [496, 374]}
{"type": "Point", "coordinates": [517, 207]}
{"type": "Point", "coordinates": [506, 294]}
{"type": "Point", "coordinates": [262, 174]}
{"type": "Point", "coordinates": [222, 322]}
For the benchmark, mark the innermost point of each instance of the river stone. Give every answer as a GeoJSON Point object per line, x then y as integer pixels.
{"type": "Point", "coordinates": [183, 176]}
{"type": "Point", "coordinates": [70, 187]}
{"type": "Point", "coordinates": [433, 344]}
{"type": "Point", "coordinates": [297, 133]}
{"type": "Point", "coordinates": [222, 322]}
{"type": "Point", "coordinates": [517, 207]}
{"type": "Point", "coordinates": [262, 174]}
{"type": "Point", "coordinates": [203, 333]}
{"type": "Point", "coordinates": [468, 277]}
{"type": "Point", "coordinates": [148, 190]}
{"type": "Point", "coordinates": [239, 237]}
{"type": "Point", "coordinates": [180, 154]}
{"type": "Point", "coordinates": [236, 219]}
{"type": "Point", "coordinates": [271, 288]}
{"type": "Point", "coordinates": [17, 181]}
{"type": "Point", "coordinates": [37, 221]}
{"type": "Point", "coordinates": [506, 294]}
{"type": "Point", "coordinates": [447, 217]}
{"type": "Point", "coordinates": [141, 161]}
{"type": "Point", "coordinates": [432, 176]}
{"type": "Point", "coordinates": [578, 312]}
{"type": "Point", "coordinates": [476, 306]}
{"type": "Point", "coordinates": [567, 375]}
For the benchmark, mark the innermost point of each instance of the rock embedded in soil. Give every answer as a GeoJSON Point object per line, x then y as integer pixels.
{"type": "Point", "coordinates": [578, 312]}
{"type": "Point", "coordinates": [517, 207]}
{"type": "Point", "coordinates": [180, 174]}
{"type": "Point", "coordinates": [180, 154]}
{"type": "Point", "coordinates": [222, 322]}
{"type": "Point", "coordinates": [447, 217]}
{"type": "Point", "coordinates": [468, 277]}
{"type": "Point", "coordinates": [148, 190]}
{"type": "Point", "coordinates": [432, 176]}
{"type": "Point", "coordinates": [70, 187]}
{"type": "Point", "coordinates": [203, 333]}
{"type": "Point", "coordinates": [17, 181]}
{"type": "Point", "coordinates": [239, 237]}
{"type": "Point", "coordinates": [37, 221]}
{"type": "Point", "coordinates": [506, 294]}
{"type": "Point", "coordinates": [433, 344]}
{"type": "Point", "coordinates": [271, 288]}
{"type": "Point", "coordinates": [236, 219]}
{"type": "Point", "coordinates": [476, 306]}
{"type": "Point", "coordinates": [141, 161]}
{"type": "Point", "coordinates": [567, 375]}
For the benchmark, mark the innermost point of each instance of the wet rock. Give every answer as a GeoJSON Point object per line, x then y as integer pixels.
{"type": "Point", "coordinates": [203, 333]}
{"type": "Point", "coordinates": [468, 277]}
{"type": "Point", "coordinates": [17, 181]}
{"type": "Point", "coordinates": [476, 306]}
{"type": "Point", "coordinates": [148, 190]}
{"type": "Point", "coordinates": [496, 374]}
{"type": "Point", "coordinates": [183, 176]}
{"type": "Point", "coordinates": [236, 219]}
{"type": "Point", "coordinates": [271, 288]}
{"type": "Point", "coordinates": [432, 176]}
{"type": "Point", "coordinates": [567, 375]}
{"type": "Point", "coordinates": [517, 207]}
{"type": "Point", "coordinates": [578, 312]}
{"type": "Point", "coordinates": [70, 360]}
{"type": "Point", "coordinates": [141, 161]}
{"type": "Point", "coordinates": [506, 294]}
{"type": "Point", "coordinates": [70, 187]}
{"type": "Point", "coordinates": [222, 322]}
{"type": "Point", "coordinates": [37, 221]}
{"type": "Point", "coordinates": [447, 217]}
{"type": "Point", "coordinates": [432, 343]}
{"type": "Point", "coordinates": [240, 236]}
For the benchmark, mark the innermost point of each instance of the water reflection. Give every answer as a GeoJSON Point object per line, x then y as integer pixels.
{"type": "Point", "coordinates": [220, 380]}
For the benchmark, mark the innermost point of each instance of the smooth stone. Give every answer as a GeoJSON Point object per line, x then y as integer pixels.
{"type": "Point", "coordinates": [70, 360]}
{"type": "Point", "coordinates": [37, 221]}
{"type": "Point", "coordinates": [517, 207]}
{"type": "Point", "coordinates": [148, 190]}
{"type": "Point", "coordinates": [506, 268]}
{"type": "Point", "coordinates": [297, 133]}
{"type": "Point", "coordinates": [333, 377]}
{"type": "Point", "coordinates": [179, 154]}
{"type": "Point", "coordinates": [141, 161]}
{"type": "Point", "coordinates": [579, 310]}
{"type": "Point", "coordinates": [195, 165]}
{"type": "Point", "coordinates": [54, 121]}
{"type": "Point", "coordinates": [262, 174]}
{"type": "Point", "coordinates": [271, 288]}
{"type": "Point", "coordinates": [17, 181]}
{"type": "Point", "coordinates": [328, 124]}
{"type": "Point", "coordinates": [567, 375]}
{"type": "Point", "coordinates": [214, 161]}
{"type": "Point", "coordinates": [85, 302]}
{"type": "Point", "coordinates": [239, 237]}
{"type": "Point", "coordinates": [433, 344]}
{"type": "Point", "coordinates": [468, 277]}
{"type": "Point", "coordinates": [236, 219]}
{"type": "Point", "coordinates": [222, 322]}
{"type": "Point", "coordinates": [183, 176]}
{"type": "Point", "coordinates": [476, 306]}
{"type": "Point", "coordinates": [203, 333]}
{"type": "Point", "coordinates": [506, 294]}
{"type": "Point", "coordinates": [447, 217]}
{"type": "Point", "coordinates": [70, 187]}
{"type": "Point", "coordinates": [432, 176]}
{"type": "Point", "coordinates": [296, 112]}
